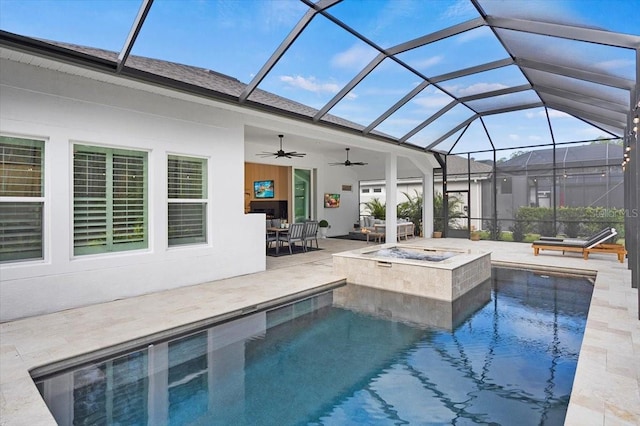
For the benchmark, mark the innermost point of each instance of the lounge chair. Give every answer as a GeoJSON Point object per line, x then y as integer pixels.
{"type": "Point", "coordinates": [595, 244]}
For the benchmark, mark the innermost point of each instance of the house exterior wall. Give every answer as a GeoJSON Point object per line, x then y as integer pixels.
{"type": "Point", "coordinates": [64, 109]}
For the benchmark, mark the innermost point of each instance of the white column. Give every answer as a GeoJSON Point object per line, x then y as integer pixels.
{"type": "Point", "coordinates": [427, 205]}
{"type": "Point", "coordinates": [391, 176]}
{"type": "Point", "coordinates": [58, 392]}
{"type": "Point", "coordinates": [158, 398]}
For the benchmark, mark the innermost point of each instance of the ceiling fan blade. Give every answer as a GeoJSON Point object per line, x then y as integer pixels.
{"type": "Point", "coordinates": [281, 153]}
{"type": "Point", "coordinates": [358, 163]}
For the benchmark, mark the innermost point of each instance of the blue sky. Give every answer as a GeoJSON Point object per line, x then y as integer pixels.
{"type": "Point", "coordinates": [236, 37]}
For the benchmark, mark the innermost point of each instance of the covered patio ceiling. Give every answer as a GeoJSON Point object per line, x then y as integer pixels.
{"type": "Point", "coordinates": [448, 76]}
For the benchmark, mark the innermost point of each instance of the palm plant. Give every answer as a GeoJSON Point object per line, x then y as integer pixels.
{"type": "Point", "coordinates": [412, 209]}
{"type": "Point", "coordinates": [376, 208]}
{"type": "Point", "coordinates": [453, 209]}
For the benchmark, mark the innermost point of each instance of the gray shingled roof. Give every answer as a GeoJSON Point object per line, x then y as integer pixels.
{"type": "Point", "coordinates": [210, 80]}
{"type": "Point", "coordinates": [567, 156]}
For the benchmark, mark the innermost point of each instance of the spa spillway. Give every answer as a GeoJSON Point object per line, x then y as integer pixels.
{"type": "Point", "coordinates": [443, 273]}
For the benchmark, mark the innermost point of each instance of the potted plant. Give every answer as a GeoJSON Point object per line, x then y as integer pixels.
{"type": "Point", "coordinates": [323, 225]}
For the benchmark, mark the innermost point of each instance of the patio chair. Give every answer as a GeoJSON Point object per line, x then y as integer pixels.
{"type": "Point", "coordinates": [270, 236]}
{"type": "Point", "coordinates": [595, 244]}
{"type": "Point", "coordinates": [310, 233]}
{"type": "Point", "coordinates": [295, 234]}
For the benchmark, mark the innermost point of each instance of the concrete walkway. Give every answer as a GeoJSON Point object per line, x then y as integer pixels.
{"type": "Point", "coordinates": [606, 387]}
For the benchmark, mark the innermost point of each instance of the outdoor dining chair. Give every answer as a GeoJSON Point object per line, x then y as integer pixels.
{"type": "Point", "coordinates": [310, 233]}
{"type": "Point", "coordinates": [295, 234]}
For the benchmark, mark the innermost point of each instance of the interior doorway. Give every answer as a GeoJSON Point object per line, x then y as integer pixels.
{"type": "Point", "coordinates": [302, 194]}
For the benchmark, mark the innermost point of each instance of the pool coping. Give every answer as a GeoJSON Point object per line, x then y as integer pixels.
{"type": "Point", "coordinates": [606, 386]}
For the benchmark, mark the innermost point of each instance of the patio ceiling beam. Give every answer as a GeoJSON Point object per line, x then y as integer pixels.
{"type": "Point", "coordinates": [570, 32]}
{"type": "Point", "coordinates": [419, 88]}
{"type": "Point", "coordinates": [578, 97]}
{"type": "Point", "coordinates": [133, 34]}
{"type": "Point", "coordinates": [606, 80]}
{"type": "Point", "coordinates": [428, 121]}
{"type": "Point", "coordinates": [472, 70]}
{"type": "Point", "coordinates": [581, 114]}
{"type": "Point", "coordinates": [284, 46]}
{"type": "Point", "coordinates": [436, 36]}
{"type": "Point", "coordinates": [349, 86]}
{"type": "Point", "coordinates": [452, 131]}
{"type": "Point", "coordinates": [493, 93]}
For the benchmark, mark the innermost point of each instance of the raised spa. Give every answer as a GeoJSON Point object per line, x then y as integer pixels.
{"type": "Point", "coordinates": [443, 273]}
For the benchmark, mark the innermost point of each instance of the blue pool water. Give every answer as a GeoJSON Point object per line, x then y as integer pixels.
{"type": "Point", "coordinates": [505, 353]}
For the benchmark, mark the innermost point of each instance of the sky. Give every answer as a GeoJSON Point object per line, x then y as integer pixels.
{"type": "Point", "coordinates": [236, 37]}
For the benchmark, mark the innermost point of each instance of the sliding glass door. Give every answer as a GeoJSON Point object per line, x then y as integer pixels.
{"type": "Point", "coordinates": [302, 194]}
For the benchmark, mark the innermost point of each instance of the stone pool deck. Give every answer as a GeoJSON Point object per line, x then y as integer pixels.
{"type": "Point", "coordinates": [606, 388]}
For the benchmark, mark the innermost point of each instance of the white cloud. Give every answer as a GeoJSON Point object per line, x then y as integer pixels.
{"type": "Point", "coordinates": [474, 88]}
{"type": "Point", "coordinates": [429, 62]}
{"type": "Point", "coordinates": [552, 114]}
{"type": "Point", "coordinates": [356, 57]}
{"type": "Point", "coordinates": [309, 84]}
{"type": "Point", "coordinates": [514, 137]}
{"type": "Point", "coordinates": [459, 8]}
{"type": "Point", "coordinates": [430, 102]}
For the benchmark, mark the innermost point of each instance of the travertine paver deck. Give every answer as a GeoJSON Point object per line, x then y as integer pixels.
{"type": "Point", "coordinates": [606, 387]}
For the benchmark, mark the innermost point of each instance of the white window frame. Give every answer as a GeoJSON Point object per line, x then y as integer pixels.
{"type": "Point", "coordinates": [203, 201]}
{"type": "Point", "coordinates": [111, 246]}
{"type": "Point", "coordinates": [42, 143]}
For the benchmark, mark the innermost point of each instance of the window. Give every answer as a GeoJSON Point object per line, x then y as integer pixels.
{"type": "Point", "coordinates": [187, 195]}
{"type": "Point", "coordinates": [505, 186]}
{"type": "Point", "coordinates": [21, 199]}
{"type": "Point", "coordinates": [109, 200]}
{"type": "Point", "coordinates": [365, 190]}
{"type": "Point", "coordinates": [377, 189]}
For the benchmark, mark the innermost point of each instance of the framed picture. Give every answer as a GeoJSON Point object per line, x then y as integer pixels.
{"type": "Point", "coordinates": [331, 201]}
{"type": "Point", "coordinates": [263, 189]}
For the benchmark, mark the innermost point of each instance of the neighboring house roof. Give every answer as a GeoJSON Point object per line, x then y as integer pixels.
{"type": "Point", "coordinates": [457, 165]}
{"type": "Point", "coordinates": [566, 157]}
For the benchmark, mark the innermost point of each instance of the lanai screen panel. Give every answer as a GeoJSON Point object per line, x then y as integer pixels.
{"type": "Point", "coordinates": [519, 128]}
{"type": "Point", "coordinates": [208, 34]}
{"type": "Point", "coordinates": [487, 81]}
{"type": "Point", "coordinates": [376, 93]}
{"type": "Point", "coordinates": [318, 64]}
{"type": "Point", "coordinates": [471, 48]}
{"type": "Point", "coordinates": [390, 23]}
{"type": "Point", "coordinates": [511, 100]}
{"type": "Point", "coordinates": [102, 24]}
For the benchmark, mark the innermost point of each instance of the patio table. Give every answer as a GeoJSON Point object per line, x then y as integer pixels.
{"type": "Point", "coordinates": [278, 231]}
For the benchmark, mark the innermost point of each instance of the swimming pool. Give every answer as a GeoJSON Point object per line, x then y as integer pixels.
{"type": "Point", "coordinates": [329, 360]}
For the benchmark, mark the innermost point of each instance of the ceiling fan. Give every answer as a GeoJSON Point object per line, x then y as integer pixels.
{"type": "Point", "coordinates": [280, 153]}
{"type": "Point", "coordinates": [347, 162]}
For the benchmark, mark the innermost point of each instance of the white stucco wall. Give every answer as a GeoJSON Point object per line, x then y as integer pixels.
{"type": "Point", "coordinates": [62, 109]}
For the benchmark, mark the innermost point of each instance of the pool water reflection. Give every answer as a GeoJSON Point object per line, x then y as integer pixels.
{"type": "Point", "coordinates": [356, 356]}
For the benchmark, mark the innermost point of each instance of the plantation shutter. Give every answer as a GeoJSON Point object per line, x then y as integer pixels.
{"type": "Point", "coordinates": [21, 199]}
{"type": "Point", "coordinates": [90, 213]}
{"type": "Point", "coordinates": [109, 200]}
{"type": "Point", "coordinates": [187, 194]}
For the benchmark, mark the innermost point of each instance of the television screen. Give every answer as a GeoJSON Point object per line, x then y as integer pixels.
{"type": "Point", "coordinates": [263, 189]}
{"type": "Point", "coordinates": [331, 201]}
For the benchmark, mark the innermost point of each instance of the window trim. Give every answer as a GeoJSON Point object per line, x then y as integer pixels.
{"type": "Point", "coordinates": [83, 252]}
{"type": "Point", "coordinates": [204, 201]}
{"type": "Point", "coordinates": [42, 143]}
